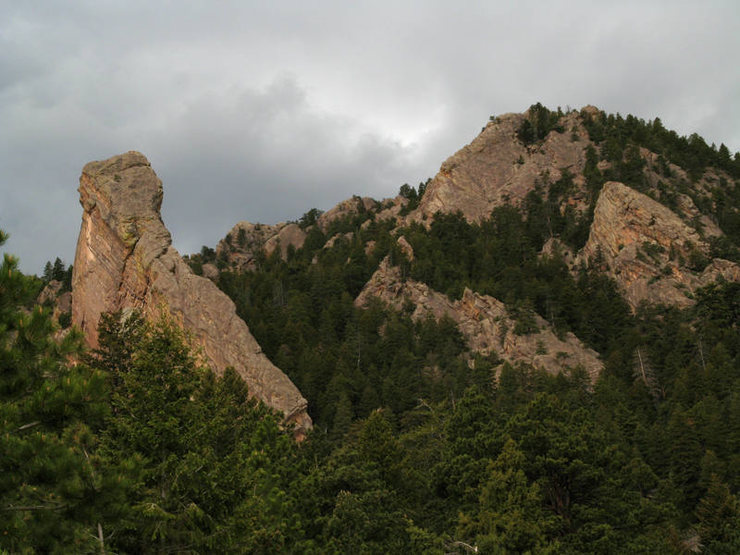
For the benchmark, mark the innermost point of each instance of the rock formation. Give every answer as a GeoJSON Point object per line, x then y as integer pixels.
{"type": "Point", "coordinates": [484, 322]}
{"type": "Point", "coordinates": [242, 243]}
{"type": "Point", "coordinates": [497, 168]}
{"type": "Point", "coordinates": [648, 249]}
{"type": "Point", "coordinates": [390, 209]}
{"type": "Point", "coordinates": [245, 240]}
{"type": "Point", "coordinates": [348, 207]}
{"type": "Point", "coordinates": [60, 302]}
{"type": "Point", "coordinates": [125, 260]}
{"type": "Point", "coordinates": [654, 253]}
{"type": "Point", "coordinates": [290, 235]}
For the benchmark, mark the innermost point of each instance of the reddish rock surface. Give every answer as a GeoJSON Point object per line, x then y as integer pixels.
{"type": "Point", "coordinates": [497, 168]}
{"type": "Point", "coordinates": [648, 249]}
{"type": "Point", "coordinates": [484, 322]}
{"type": "Point", "coordinates": [125, 260]}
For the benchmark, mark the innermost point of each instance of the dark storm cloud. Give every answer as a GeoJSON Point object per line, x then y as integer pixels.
{"type": "Point", "coordinates": [261, 111]}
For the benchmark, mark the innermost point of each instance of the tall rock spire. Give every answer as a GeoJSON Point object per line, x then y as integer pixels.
{"type": "Point", "coordinates": [125, 260]}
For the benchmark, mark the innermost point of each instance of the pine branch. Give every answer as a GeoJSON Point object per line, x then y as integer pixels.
{"type": "Point", "coordinates": [57, 507]}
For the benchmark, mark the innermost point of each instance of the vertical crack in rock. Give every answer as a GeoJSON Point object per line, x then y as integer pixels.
{"type": "Point", "coordinates": [125, 260]}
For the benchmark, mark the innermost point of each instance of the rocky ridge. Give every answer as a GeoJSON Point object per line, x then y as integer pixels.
{"type": "Point", "coordinates": [125, 260]}
{"type": "Point", "coordinates": [484, 322]}
{"type": "Point", "coordinates": [345, 208]}
{"type": "Point", "coordinates": [655, 254]}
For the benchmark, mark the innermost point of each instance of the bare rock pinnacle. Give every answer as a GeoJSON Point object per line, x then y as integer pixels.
{"type": "Point", "coordinates": [125, 260]}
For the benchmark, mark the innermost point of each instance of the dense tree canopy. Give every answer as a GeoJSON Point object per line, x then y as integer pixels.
{"type": "Point", "coordinates": [54, 490]}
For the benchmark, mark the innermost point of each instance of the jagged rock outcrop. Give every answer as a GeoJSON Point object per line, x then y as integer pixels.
{"type": "Point", "coordinates": [683, 204]}
{"type": "Point", "coordinates": [390, 209]}
{"type": "Point", "coordinates": [554, 247]}
{"type": "Point", "coordinates": [406, 248]}
{"type": "Point", "coordinates": [245, 240]}
{"type": "Point", "coordinates": [649, 250]}
{"type": "Point", "coordinates": [240, 247]}
{"type": "Point", "coordinates": [338, 237]}
{"type": "Point", "coordinates": [60, 301]}
{"type": "Point", "coordinates": [348, 207]}
{"type": "Point", "coordinates": [125, 260]}
{"type": "Point", "coordinates": [242, 243]}
{"type": "Point", "coordinates": [289, 235]}
{"type": "Point", "coordinates": [485, 323]}
{"type": "Point", "coordinates": [52, 293]}
{"type": "Point", "coordinates": [497, 168]}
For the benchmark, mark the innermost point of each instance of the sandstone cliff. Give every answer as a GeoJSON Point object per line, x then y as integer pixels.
{"type": "Point", "coordinates": [484, 322]}
{"type": "Point", "coordinates": [125, 259]}
{"type": "Point", "coordinates": [649, 250]}
{"type": "Point", "coordinates": [496, 168]}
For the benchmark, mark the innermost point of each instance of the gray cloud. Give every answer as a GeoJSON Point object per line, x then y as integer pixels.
{"type": "Point", "coordinates": [264, 156]}
{"type": "Point", "coordinates": [250, 111]}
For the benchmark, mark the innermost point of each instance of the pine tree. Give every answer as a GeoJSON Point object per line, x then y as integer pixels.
{"type": "Point", "coordinates": [213, 464]}
{"type": "Point", "coordinates": [55, 494]}
{"type": "Point", "coordinates": [58, 270]}
{"type": "Point", "coordinates": [718, 516]}
{"type": "Point", "coordinates": [511, 517]}
{"type": "Point", "coordinates": [643, 373]}
{"type": "Point", "coordinates": [48, 272]}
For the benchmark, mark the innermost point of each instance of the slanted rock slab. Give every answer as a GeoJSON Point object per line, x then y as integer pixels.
{"type": "Point", "coordinates": [125, 260]}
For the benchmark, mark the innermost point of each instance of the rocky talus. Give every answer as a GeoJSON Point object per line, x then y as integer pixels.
{"type": "Point", "coordinates": [125, 260]}
{"type": "Point", "coordinates": [652, 253]}
{"type": "Point", "coordinates": [484, 322]}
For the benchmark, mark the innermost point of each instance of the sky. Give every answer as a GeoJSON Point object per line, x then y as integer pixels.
{"type": "Point", "coordinates": [260, 111]}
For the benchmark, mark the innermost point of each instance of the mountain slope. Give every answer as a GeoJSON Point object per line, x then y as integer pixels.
{"type": "Point", "coordinates": [584, 180]}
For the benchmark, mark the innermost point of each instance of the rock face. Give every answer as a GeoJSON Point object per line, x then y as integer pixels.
{"type": "Point", "coordinates": [485, 323]}
{"type": "Point", "coordinates": [555, 247]}
{"type": "Point", "coordinates": [125, 260]}
{"type": "Point", "coordinates": [348, 207]}
{"type": "Point", "coordinates": [648, 249]}
{"type": "Point", "coordinates": [290, 235]}
{"type": "Point", "coordinates": [60, 301]}
{"type": "Point", "coordinates": [390, 209]}
{"type": "Point", "coordinates": [245, 240]}
{"type": "Point", "coordinates": [496, 167]}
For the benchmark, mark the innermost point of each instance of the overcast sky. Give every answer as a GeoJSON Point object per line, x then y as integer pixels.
{"type": "Point", "coordinates": [261, 110]}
